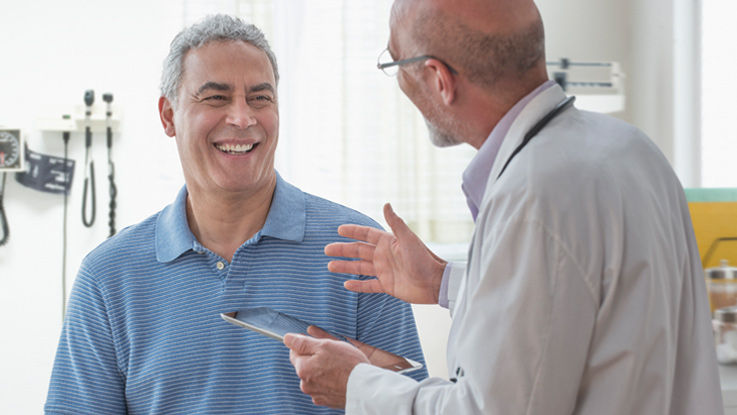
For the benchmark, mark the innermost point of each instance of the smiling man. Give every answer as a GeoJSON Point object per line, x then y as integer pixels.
{"type": "Point", "coordinates": [143, 332]}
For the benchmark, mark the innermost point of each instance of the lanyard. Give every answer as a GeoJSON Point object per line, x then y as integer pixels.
{"type": "Point", "coordinates": [537, 127]}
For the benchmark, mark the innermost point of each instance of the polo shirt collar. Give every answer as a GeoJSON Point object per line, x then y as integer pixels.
{"type": "Point", "coordinates": [173, 237]}
{"type": "Point", "coordinates": [285, 220]}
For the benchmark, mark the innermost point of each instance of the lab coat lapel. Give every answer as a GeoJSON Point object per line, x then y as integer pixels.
{"type": "Point", "coordinates": [533, 112]}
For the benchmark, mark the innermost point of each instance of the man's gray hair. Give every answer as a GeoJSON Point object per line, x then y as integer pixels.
{"type": "Point", "coordinates": [218, 27]}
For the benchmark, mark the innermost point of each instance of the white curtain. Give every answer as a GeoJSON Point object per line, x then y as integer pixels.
{"type": "Point", "coordinates": [347, 132]}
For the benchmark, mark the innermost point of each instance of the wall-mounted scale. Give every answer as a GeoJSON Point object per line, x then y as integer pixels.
{"type": "Point", "coordinates": [598, 86]}
{"type": "Point", "coordinates": [11, 160]}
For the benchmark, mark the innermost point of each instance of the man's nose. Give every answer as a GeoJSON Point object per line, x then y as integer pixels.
{"type": "Point", "coordinates": [240, 114]}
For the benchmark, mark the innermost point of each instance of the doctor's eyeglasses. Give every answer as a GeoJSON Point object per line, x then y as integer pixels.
{"type": "Point", "coordinates": [390, 67]}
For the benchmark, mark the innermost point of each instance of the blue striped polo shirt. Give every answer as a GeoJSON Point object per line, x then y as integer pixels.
{"type": "Point", "coordinates": [143, 333]}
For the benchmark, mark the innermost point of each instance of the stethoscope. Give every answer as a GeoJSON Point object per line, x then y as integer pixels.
{"type": "Point", "coordinates": [537, 127]}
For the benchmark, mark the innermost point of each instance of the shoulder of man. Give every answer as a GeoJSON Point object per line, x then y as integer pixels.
{"type": "Point", "coordinates": [337, 213]}
{"type": "Point", "coordinates": [131, 240]}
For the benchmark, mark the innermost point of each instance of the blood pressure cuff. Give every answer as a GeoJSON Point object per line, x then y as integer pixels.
{"type": "Point", "coordinates": [46, 173]}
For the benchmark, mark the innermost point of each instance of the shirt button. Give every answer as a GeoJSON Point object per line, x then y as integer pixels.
{"type": "Point", "coordinates": [220, 265]}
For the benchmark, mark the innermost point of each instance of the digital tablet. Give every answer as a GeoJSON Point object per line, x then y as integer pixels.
{"type": "Point", "coordinates": [276, 325]}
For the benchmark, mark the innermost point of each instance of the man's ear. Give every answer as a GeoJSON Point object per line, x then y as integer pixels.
{"type": "Point", "coordinates": [443, 81]}
{"type": "Point", "coordinates": [166, 113]}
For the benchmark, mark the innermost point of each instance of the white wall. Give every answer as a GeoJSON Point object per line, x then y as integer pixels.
{"type": "Point", "coordinates": [52, 51]}
{"type": "Point", "coordinates": [661, 67]}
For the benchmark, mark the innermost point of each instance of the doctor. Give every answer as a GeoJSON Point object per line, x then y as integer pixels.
{"type": "Point", "coordinates": [583, 291]}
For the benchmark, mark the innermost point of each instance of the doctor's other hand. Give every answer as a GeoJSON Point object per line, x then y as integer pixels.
{"type": "Point", "coordinates": [403, 266]}
{"type": "Point", "coordinates": [323, 367]}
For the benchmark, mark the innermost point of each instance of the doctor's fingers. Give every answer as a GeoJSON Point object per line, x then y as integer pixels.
{"type": "Point", "coordinates": [319, 333]}
{"type": "Point", "coordinates": [362, 233]}
{"type": "Point", "coordinates": [323, 396]}
{"type": "Point", "coordinates": [332, 401]}
{"type": "Point", "coordinates": [359, 250]}
{"type": "Point", "coordinates": [364, 286]}
{"type": "Point", "coordinates": [352, 267]}
{"type": "Point", "coordinates": [306, 366]}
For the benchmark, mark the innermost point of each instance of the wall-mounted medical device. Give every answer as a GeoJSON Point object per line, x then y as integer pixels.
{"type": "Point", "coordinates": [75, 119]}
{"type": "Point", "coordinates": [11, 160]}
{"type": "Point", "coordinates": [93, 119]}
{"type": "Point", "coordinates": [598, 86]}
{"type": "Point", "coordinates": [11, 150]}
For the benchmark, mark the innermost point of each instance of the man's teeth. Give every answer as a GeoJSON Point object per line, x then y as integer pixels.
{"type": "Point", "coordinates": [234, 148]}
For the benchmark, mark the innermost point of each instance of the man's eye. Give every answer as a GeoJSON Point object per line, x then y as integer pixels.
{"type": "Point", "coordinates": [260, 101]}
{"type": "Point", "coordinates": [215, 98]}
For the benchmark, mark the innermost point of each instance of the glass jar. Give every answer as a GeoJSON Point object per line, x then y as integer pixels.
{"type": "Point", "coordinates": [725, 334]}
{"type": "Point", "coordinates": [721, 284]}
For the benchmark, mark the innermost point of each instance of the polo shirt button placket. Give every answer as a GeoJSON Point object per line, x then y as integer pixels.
{"type": "Point", "coordinates": [223, 272]}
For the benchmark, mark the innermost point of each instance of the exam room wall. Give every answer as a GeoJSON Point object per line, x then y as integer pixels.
{"type": "Point", "coordinates": [52, 51]}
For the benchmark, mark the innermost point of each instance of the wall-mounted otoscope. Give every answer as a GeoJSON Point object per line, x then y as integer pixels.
{"type": "Point", "coordinates": [89, 164]}
{"type": "Point", "coordinates": [108, 98]}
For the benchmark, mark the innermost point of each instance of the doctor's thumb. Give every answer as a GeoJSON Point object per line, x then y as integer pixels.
{"type": "Point", "coordinates": [397, 225]}
{"type": "Point", "coordinates": [299, 344]}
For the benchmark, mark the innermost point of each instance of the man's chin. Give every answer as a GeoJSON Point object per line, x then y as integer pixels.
{"type": "Point", "coordinates": [439, 138]}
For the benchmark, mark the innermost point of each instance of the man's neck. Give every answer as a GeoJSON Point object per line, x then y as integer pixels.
{"type": "Point", "coordinates": [222, 222]}
{"type": "Point", "coordinates": [490, 107]}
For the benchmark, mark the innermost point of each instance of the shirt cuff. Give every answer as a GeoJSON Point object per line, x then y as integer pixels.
{"type": "Point", "coordinates": [443, 294]}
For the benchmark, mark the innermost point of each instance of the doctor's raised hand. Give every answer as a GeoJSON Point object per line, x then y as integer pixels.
{"type": "Point", "coordinates": [403, 266]}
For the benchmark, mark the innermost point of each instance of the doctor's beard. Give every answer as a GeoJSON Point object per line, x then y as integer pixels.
{"type": "Point", "coordinates": [440, 138]}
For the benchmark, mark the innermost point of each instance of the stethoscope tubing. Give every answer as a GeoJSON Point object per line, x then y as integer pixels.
{"type": "Point", "coordinates": [562, 106]}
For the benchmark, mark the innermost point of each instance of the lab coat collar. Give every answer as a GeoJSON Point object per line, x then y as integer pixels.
{"type": "Point", "coordinates": [285, 220]}
{"type": "Point", "coordinates": [533, 112]}
{"type": "Point", "coordinates": [476, 175]}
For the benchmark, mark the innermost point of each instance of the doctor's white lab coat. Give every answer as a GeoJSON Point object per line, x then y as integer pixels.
{"type": "Point", "coordinates": [584, 292]}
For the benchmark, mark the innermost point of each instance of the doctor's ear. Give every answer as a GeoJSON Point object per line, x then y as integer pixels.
{"type": "Point", "coordinates": [443, 80]}
{"type": "Point", "coordinates": [166, 113]}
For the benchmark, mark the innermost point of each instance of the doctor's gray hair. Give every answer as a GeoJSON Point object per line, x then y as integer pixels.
{"type": "Point", "coordinates": [218, 27]}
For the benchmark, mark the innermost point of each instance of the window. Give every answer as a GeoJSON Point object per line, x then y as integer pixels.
{"type": "Point", "coordinates": [347, 132]}
{"type": "Point", "coordinates": [719, 89]}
